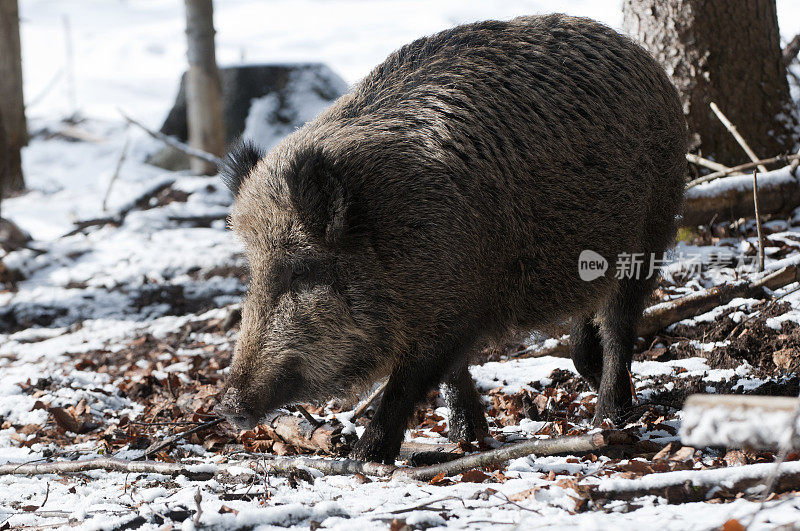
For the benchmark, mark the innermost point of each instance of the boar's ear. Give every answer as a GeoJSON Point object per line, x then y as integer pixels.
{"type": "Point", "coordinates": [320, 196]}
{"type": "Point", "coordinates": [238, 163]}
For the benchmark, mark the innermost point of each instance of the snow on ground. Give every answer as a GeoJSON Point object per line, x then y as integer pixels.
{"type": "Point", "coordinates": [122, 326]}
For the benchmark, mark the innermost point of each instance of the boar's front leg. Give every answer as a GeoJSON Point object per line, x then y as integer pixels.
{"type": "Point", "coordinates": [408, 385]}
{"type": "Point", "coordinates": [466, 419]}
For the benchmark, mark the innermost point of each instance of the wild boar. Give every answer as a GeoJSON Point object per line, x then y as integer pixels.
{"type": "Point", "coordinates": [445, 201]}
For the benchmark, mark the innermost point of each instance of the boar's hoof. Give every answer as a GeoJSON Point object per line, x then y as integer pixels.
{"type": "Point", "coordinates": [377, 447]}
{"type": "Point", "coordinates": [617, 414]}
{"type": "Point", "coordinates": [467, 426]}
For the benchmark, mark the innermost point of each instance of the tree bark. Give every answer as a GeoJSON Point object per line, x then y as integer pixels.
{"type": "Point", "coordinates": [4, 152]}
{"type": "Point", "coordinates": [727, 52]}
{"type": "Point", "coordinates": [203, 87]}
{"type": "Point", "coordinates": [12, 105]}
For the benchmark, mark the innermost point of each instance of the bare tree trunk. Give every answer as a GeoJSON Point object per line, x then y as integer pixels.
{"type": "Point", "coordinates": [12, 105]}
{"type": "Point", "coordinates": [727, 52]}
{"type": "Point", "coordinates": [4, 152]}
{"type": "Point", "coordinates": [203, 88]}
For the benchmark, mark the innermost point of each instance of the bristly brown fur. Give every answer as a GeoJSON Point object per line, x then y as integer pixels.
{"type": "Point", "coordinates": [444, 201]}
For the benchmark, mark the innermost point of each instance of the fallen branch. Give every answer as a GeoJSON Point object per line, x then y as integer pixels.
{"type": "Point", "coordinates": [738, 137]}
{"type": "Point", "coordinates": [177, 144]}
{"type": "Point", "coordinates": [659, 316]}
{"type": "Point", "coordinates": [742, 167]}
{"type": "Point", "coordinates": [111, 464]}
{"type": "Point", "coordinates": [117, 219]}
{"type": "Point", "coordinates": [699, 485]}
{"type": "Point", "coordinates": [732, 198]}
{"type": "Point", "coordinates": [199, 221]}
{"type": "Point", "coordinates": [578, 444]}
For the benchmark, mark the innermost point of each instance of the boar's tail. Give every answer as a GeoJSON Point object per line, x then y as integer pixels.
{"type": "Point", "coordinates": [238, 163]}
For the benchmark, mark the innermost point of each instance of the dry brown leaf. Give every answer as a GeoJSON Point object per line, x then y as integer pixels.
{"type": "Point", "coordinates": [684, 453]}
{"type": "Point", "coordinates": [473, 476]}
{"type": "Point", "coordinates": [733, 525]}
{"type": "Point", "coordinates": [440, 480]}
{"type": "Point", "coordinates": [399, 524]}
{"type": "Point", "coordinates": [735, 458]}
{"type": "Point", "coordinates": [524, 495]}
{"type": "Point", "coordinates": [64, 419]}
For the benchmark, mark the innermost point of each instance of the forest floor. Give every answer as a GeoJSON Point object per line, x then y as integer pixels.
{"type": "Point", "coordinates": [118, 336]}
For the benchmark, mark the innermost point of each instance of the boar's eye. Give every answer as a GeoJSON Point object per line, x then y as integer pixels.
{"type": "Point", "coordinates": [294, 275]}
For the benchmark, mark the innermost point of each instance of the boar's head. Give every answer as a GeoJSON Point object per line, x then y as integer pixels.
{"type": "Point", "coordinates": [314, 321]}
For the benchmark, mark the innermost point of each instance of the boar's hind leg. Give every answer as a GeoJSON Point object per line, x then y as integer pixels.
{"type": "Point", "coordinates": [466, 420]}
{"type": "Point", "coordinates": [586, 350]}
{"type": "Point", "coordinates": [618, 321]}
{"type": "Point", "coordinates": [408, 385]}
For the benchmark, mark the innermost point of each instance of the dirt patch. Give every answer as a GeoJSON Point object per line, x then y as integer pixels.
{"type": "Point", "coordinates": [174, 296]}
{"type": "Point", "coordinates": [749, 340]}
{"type": "Point", "coordinates": [162, 197]}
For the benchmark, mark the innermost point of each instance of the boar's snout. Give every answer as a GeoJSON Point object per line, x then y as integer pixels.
{"type": "Point", "coordinates": [235, 411]}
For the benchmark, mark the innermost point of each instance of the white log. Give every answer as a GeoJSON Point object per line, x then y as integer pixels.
{"type": "Point", "coordinates": [736, 421]}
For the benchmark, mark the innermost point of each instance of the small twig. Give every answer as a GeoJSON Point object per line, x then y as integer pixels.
{"type": "Point", "coordinates": [361, 409]}
{"type": "Point", "coordinates": [740, 168]}
{"type": "Point", "coordinates": [308, 416]}
{"type": "Point", "coordinates": [177, 437]}
{"type": "Point", "coordinates": [710, 164]}
{"type": "Point", "coordinates": [46, 495]}
{"type": "Point", "coordinates": [758, 223]}
{"type": "Point", "coordinates": [425, 505]}
{"type": "Point", "coordinates": [198, 497]}
{"type": "Point", "coordinates": [177, 144]}
{"type": "Point", "coordinates": [122, 155]}
{"type": "Point", "coordinates": [735, 132]}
